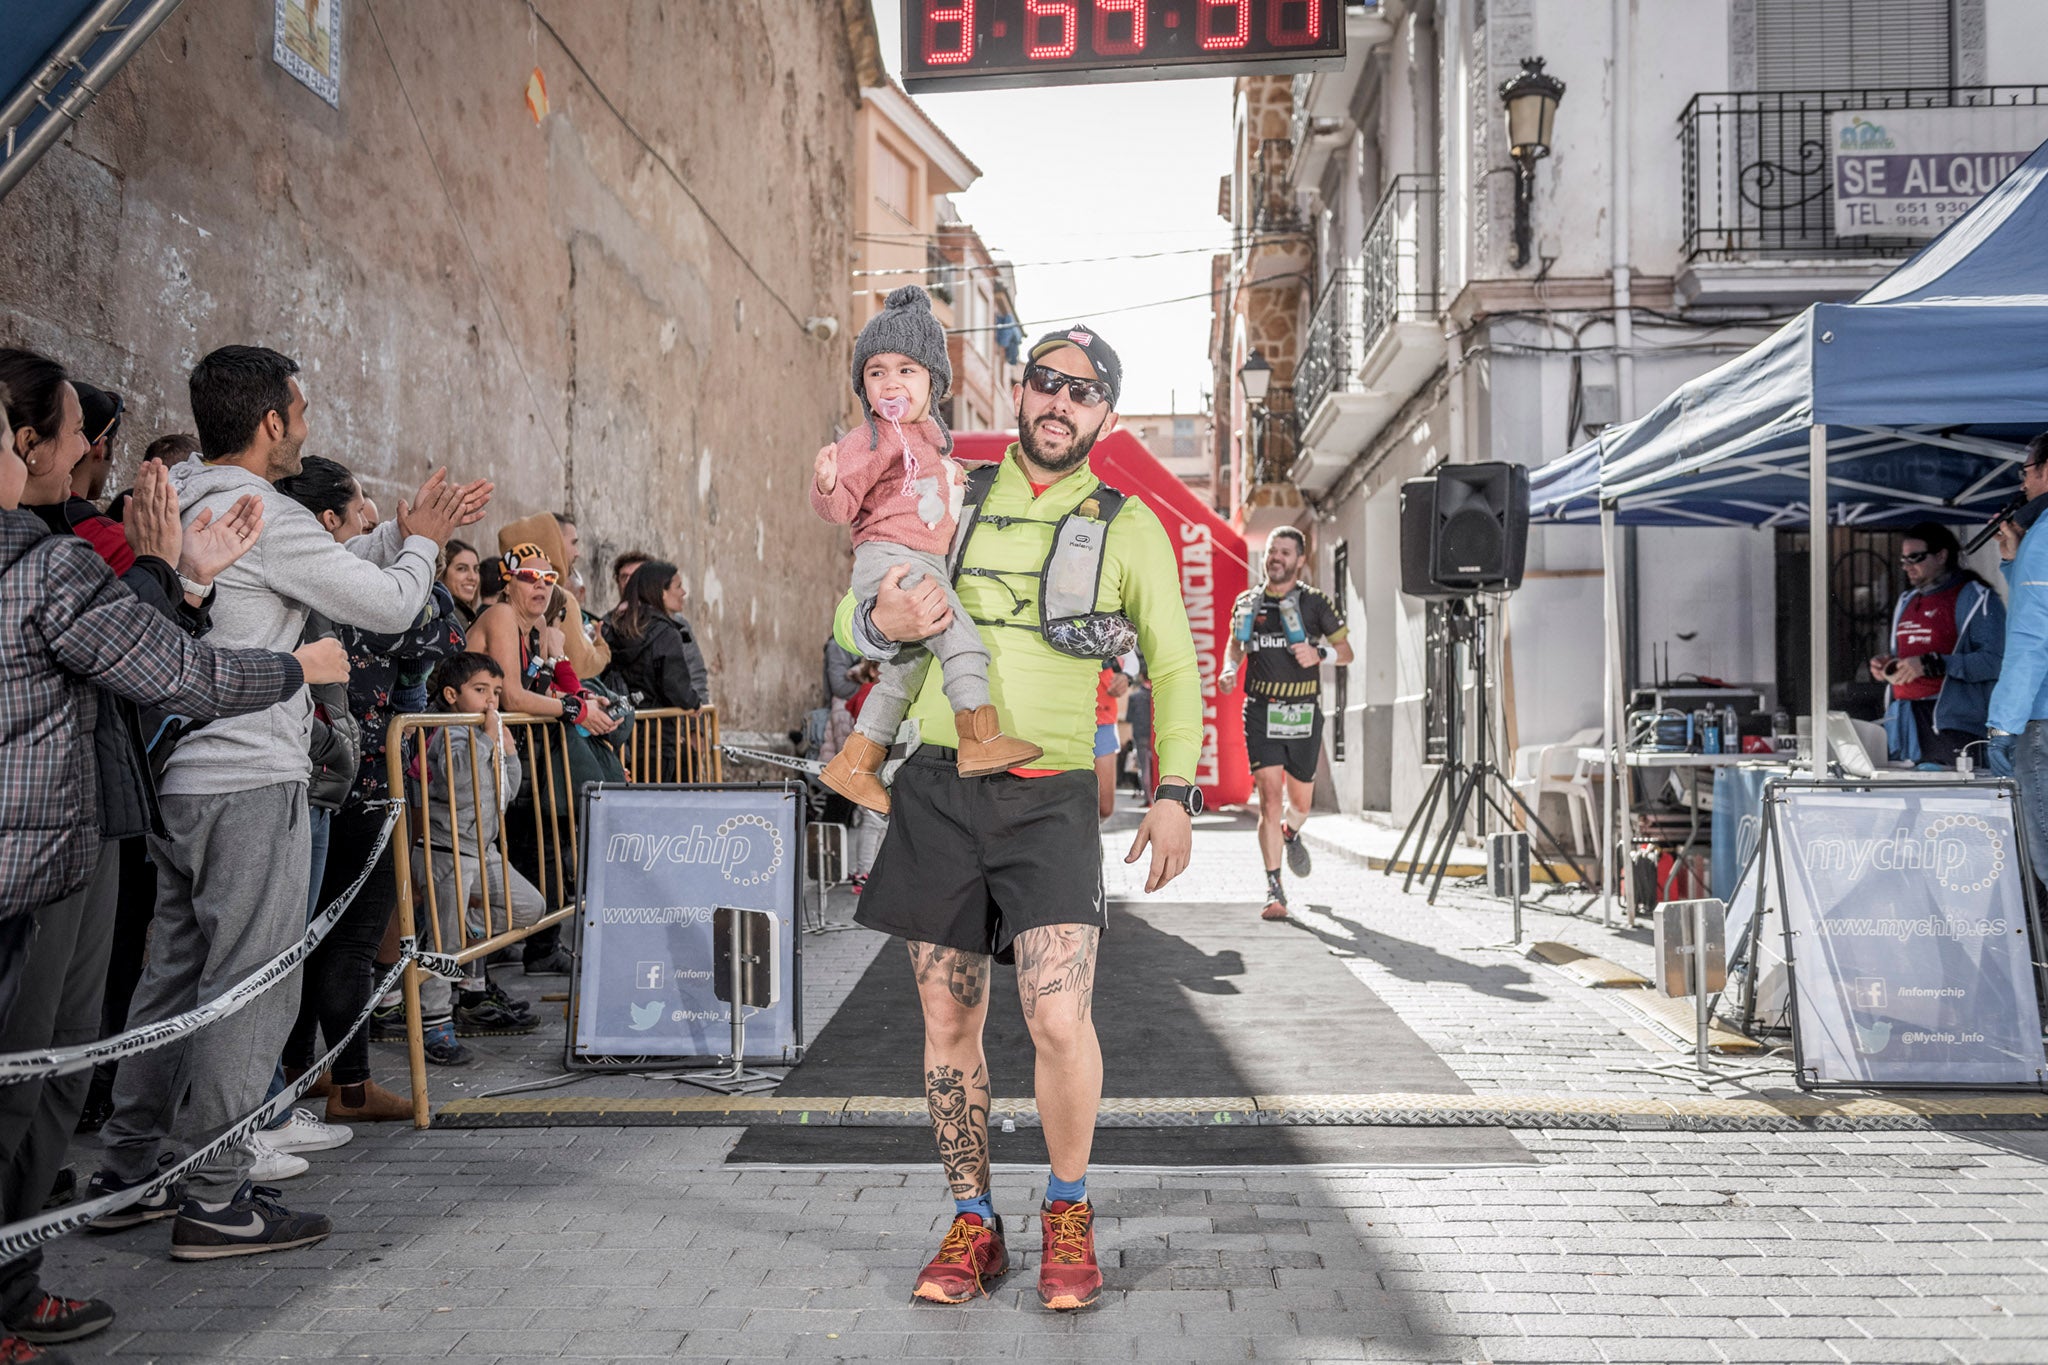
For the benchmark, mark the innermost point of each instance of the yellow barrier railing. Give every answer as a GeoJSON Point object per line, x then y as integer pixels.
{"type": "Point", "coordinates": [666, 745]}
{"type": "Point", "coordinates": [673, 745]}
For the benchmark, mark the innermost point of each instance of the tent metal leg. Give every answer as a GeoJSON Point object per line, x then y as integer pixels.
{"type": "Point", "coordinates": [1611, 716]}
{"type": "Point", "coordinates": [1817, 591]}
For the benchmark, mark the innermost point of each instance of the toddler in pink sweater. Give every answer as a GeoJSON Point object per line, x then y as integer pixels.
{"type": "Point", "coordinates": [894, 480]}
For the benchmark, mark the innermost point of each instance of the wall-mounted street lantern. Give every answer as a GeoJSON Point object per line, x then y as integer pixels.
{"type": "Point", "coordinates": [1531, 99]}
{"type": "Point", "coordinates": [1255, 376]}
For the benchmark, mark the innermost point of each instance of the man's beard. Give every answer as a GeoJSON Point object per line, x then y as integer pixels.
{"type": "Point", "coordinates": [285, 459]}
{"type": "Point", "coordinates": [1060, 464]}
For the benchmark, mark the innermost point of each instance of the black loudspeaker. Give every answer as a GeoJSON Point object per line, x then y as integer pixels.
{"type": "Point", "coordinates": [1481, 527]}
{"type": "Point", "coordinates": [1418, 539]}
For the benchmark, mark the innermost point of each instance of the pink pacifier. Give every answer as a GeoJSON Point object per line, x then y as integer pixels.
{"type": "Point", "coordinates": [893, 411]}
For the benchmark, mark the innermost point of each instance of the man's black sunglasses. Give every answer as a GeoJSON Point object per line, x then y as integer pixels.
{"type": "Point", "coordinates": [1089, 393]}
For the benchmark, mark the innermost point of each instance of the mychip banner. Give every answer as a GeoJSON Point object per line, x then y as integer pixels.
{"type": "Point", "coordinates": [1912, 172]}
{"type": "Point", "coordinates": [1911, 940]}
{"type": "Point", "coordinates": [659, 862]}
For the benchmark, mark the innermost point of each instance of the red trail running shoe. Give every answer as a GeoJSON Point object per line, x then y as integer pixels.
{"type": "Point", "coordinates": [970, 1258]}
{"type": "Point", "coordinates": [1067, 1274]}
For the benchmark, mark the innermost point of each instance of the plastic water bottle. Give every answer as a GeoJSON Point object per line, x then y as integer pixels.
{"type": "Point", "coordinates": [1710, 732]}
{"type": "Point", "coordinates": [1731, 731]}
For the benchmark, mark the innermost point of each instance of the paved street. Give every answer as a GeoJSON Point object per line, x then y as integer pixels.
{"type": "Point", "coordinates": [615, 1243]}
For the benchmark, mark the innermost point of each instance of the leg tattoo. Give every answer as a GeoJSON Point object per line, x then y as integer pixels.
{"type": "Point", "coordinates": [958, 1103]}
{"type": "Point", "coordinates": [1057, 960]}
{"type": "Point", "coordinates": [965, 974]}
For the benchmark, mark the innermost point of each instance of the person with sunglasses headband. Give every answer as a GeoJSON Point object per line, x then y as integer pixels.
{"type": "Point", "coordinates": [1009, 867]}
{"type": "Point", "coordinates": [1948, 645]}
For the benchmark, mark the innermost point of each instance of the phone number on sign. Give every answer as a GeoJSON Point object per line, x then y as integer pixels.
{"type": "Point", "coordinates": [1909, 212]}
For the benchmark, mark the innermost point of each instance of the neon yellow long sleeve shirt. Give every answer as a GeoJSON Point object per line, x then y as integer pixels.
{"type": "Point", "coordinates": [1043, 695]}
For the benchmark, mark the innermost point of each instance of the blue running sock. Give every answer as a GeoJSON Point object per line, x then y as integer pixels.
{"type": "Point", "coordinates": [982, 1205]}
{"type": "Point", "coordinates": [1072, 1191]}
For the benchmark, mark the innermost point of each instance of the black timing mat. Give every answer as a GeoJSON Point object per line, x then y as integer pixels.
{"type": "Point", "coordinates": [1190, 1000]}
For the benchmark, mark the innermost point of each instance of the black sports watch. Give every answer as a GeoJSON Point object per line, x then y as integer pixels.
{"type": "Point", "coordinates": [1181, 794]}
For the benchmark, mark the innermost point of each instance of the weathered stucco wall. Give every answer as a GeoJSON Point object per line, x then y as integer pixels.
{"type": "Point", "coordinates": [547, 305]}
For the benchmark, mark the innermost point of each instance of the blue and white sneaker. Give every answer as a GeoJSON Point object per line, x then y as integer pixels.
{"type": "Point", "coordinates": [253, 1223]}
{"type": "Point", "coordinates": [162, 1204]}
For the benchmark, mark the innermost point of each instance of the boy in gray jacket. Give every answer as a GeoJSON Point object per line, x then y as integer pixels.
{"type": "Point", "coordinates": [479, 908]}
{"type": "Point", "coordinates": [232, 874]}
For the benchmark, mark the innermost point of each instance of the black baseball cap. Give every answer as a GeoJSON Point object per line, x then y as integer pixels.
{"type": "Point", "coordinates": [1101, 354]}
{"type": "Point", "coordinates": [102, 410]}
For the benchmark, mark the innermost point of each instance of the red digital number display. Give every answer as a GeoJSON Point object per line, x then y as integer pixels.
{"type": "Point", "coordinates": [963, 44]}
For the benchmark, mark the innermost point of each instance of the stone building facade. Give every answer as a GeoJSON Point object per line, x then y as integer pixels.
{"type": "Point", "coordinates": [598, 298]}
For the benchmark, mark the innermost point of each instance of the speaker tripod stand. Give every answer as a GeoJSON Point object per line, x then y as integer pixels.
{"type": "Point", "coordinates": [1459, 786]}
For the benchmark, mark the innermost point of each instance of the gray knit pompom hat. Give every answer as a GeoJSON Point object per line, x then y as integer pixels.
{"type": "Point", "coordinates": [905, 326]}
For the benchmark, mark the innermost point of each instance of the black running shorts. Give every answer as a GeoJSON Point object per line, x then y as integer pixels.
{"type": "Point", "coordinates": [971, 862]}
{"type": "Point", "coordinates": [1298, 753]}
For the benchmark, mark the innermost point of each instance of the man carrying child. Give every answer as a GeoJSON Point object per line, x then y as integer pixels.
{"type": "Point", "coordinates": [1008, 865]}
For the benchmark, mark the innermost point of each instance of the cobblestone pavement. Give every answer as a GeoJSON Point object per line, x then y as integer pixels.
{"type": "Point", "coordinates": [609, 1244]}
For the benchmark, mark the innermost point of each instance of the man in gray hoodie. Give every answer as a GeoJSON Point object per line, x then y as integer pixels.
{"type": "Point", "coordinates": [232, 873]}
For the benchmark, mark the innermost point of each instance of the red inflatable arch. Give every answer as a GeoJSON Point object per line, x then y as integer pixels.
{"type": "Point", "coordinates": [1214, 569]}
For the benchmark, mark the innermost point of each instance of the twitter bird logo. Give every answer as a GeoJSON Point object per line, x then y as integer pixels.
{"type": "Point", "coordinates": [646, 1016]}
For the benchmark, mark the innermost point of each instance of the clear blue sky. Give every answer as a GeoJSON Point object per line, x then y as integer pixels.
{"type": "Point", "coordinates": [1100, 170]}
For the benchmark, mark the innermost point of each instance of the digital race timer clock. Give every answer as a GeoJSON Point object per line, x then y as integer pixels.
{"type": "Point", "coordinates": [983, 44]}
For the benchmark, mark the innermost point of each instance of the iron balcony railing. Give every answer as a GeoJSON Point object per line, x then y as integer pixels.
{"type": "Point", "coordinates": [1274, 432]}
{"type": "Point", "coordinates": [1394, 280]}
{"type": "Point", "coordinates": [940, 271]}
{"type": "Point", "coordinates": [1758, 169]}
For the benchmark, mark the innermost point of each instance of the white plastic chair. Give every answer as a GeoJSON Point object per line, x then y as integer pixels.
{"type": "Point", "coordinates": [1544, 768]}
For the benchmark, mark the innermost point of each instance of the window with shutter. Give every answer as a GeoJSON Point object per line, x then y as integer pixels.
{"type": "Point", "coordinates": [1852, 44]}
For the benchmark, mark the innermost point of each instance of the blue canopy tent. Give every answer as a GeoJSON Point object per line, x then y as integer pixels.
{"type": "Point", "coordinates": [1912, 403]}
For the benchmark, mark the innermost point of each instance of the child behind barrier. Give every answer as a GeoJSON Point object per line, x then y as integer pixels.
{"type": "Point", "coordinates": [473, 683]}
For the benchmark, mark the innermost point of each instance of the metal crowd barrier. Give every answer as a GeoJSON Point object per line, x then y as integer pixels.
{"type": "Point", "coordinates": [673, 745]}
{"type": "Point", "coordinates": [666, 744]}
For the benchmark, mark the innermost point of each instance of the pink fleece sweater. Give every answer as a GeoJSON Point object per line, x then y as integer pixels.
{"type": "Point", "coordinates": [910, 498]}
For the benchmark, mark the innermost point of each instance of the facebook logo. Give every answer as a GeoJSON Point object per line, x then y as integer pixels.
{"type": "Point", "coordinates": [649, 976]}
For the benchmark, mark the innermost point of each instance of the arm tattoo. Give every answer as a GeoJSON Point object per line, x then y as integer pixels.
{"type": "Point", "coordinates": [965, 974]}
{"type": "Point", "coordinates": [1057, 960]}
{"type": "Point", "coordinates": [958, 1102]}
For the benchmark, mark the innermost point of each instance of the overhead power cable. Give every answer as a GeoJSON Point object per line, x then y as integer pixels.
{"type": "Point", "coordinates": [1125, 308]}
{"type": "Point", "coordinates": [663, 162]}
{"type": "Point", "coordinates": [1075, 260]}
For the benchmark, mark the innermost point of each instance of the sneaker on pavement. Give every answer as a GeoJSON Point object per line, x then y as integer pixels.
{"type": "Point", "coordinates": [252, 1223]}
{"type": "Point", "coordinates": [442, 1048]}
{"type": "Point", "coordinates": [51, 1320]}
{"type": "Point", "coordinates": [488, 1019]}
{"type": "Point", "coordinates": [387, 1023]}
{"type": "Point", "coordinates": [506, 1001]}
{"type": "Point", "coordinates": [162, 1204]}
{"type": "Point", "coordinates": [63, 1189]}
{"type": "Point", "coordinates": [271, 1164]}
{"type": "Point", "coordinates": [1068, 1276]}
{"type": "Point", "coordinates": [557, 963]}
{"type": "Point", "coordinates": [1297, 852]}
{"type": "Point", "coordinates": [971, 1256]}
{"type": "Point", "coordinates": [1275, 909]}
{"type": "Point", "coordinates": [305, 1132]}
{"type": "Point", "coordinates": [21, 1351]}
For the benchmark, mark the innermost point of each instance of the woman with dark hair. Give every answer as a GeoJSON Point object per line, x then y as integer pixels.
{"type": "Point", "coordinates": [649, 660]}
{"type": "Point", "coordinates": [462, 575]}
{"type": "Point", "coordinates": [341, 971]}
{"type": "Point", "coordinates": [69, 635]}
{"type": "Point", "coordinates": [1948, 644]}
